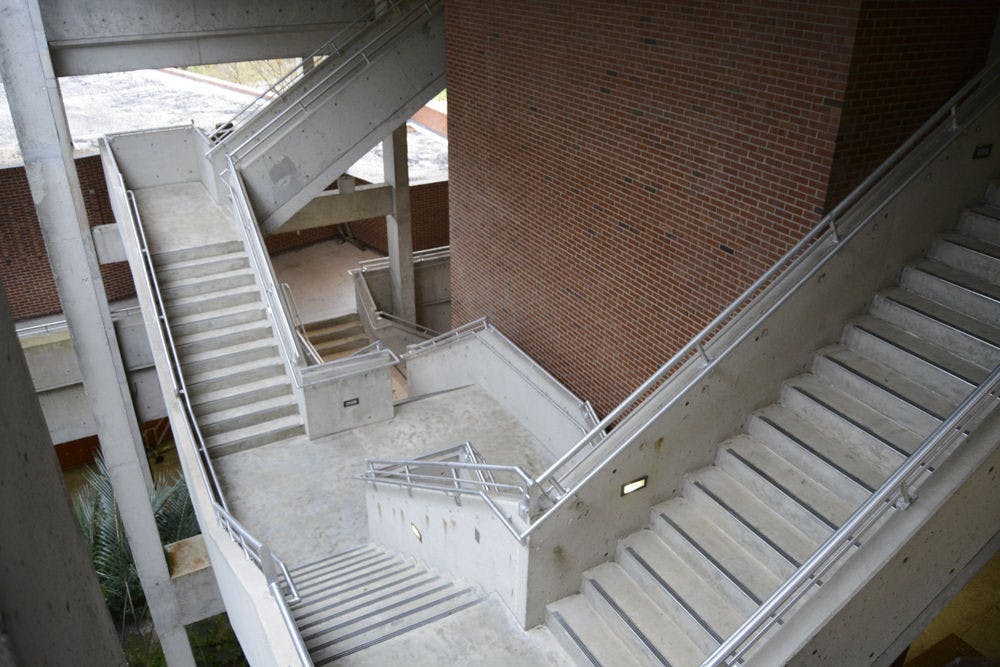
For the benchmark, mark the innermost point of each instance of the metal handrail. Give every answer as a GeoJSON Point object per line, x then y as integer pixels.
{"type": "Point", "coordinates": [253, 548]}
{"type": "Point", "coordinates": [414, 327]}
{"type": "Point", "coordinates": [447, 337]}
{"type": "Point", "coordinates": [896, 492]}
{"type": "Point", "coordinates": [48, 327]}
{"type": "Point", "coordinates": [361, 58]}
{"type": "Point", "coordinates": [420, 256]}
{"type": "Point", "coordinates": [290, 78]}
{"type": "Point", "coordinates": [300, 330]}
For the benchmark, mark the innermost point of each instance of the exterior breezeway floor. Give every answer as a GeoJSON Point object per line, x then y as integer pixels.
{"type": "Point", "coordinates": [300, 496]}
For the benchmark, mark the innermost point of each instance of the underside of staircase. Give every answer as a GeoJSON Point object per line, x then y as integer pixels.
{"type": "Point", "coordinates": [709, 557]}
{"type": "Point", "coordinates": [238, 385]}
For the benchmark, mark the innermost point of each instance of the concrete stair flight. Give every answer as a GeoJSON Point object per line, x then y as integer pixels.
{"type": "Point", "coordinates": [365, 596]}
{"type": "Point", "coordinates": [337, 337]}
{"type": "Point", "coordinates": [709, 557]}
{"type": "Point", "coordinates": [293, 148]}
{"type": "Point", "coordinates": [238, 386]}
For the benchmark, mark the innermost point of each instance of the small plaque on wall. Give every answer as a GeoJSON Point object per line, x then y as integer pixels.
{"type": "Point", "coordinates": [351, 402]}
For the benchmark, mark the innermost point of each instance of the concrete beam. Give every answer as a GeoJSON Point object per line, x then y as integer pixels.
{"type": "Point", "coordinates": [118, 35]}
{"type": "Point", "coordinates": [334, 207]}
{"type": "Point", "coordinates": [44, 138]}
{"type": "Point", "coordinates": [399, 228]}
{"type": "Point", "coordinates": [108, 244]}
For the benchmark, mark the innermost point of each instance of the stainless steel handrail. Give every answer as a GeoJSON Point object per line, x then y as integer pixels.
{"type": "Point", "coordinates": [896, 492]}
{"type": "Point", "coordinates": [419, 257]}
{"type": "Point", "coordinates": [361, 58]}
{"type": "Point", "coordinates": [419, 329]}
{"type": "Point", "coordinates": [49, 327]}
{"type": "Point", "coordinates": [280, 86]}
{"type": "Point", "coordinates": [307, 347]}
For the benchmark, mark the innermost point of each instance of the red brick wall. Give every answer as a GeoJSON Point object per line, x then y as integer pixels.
{"type": "Point", "coordinates": [24, 265]}
{"type": "Point", "coordinates": [909, 58]}
{"type": "Point", "coordinates": [621, 171]}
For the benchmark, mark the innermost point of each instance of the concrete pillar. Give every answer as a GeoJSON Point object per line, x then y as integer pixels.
{"type": "Point", "coordinates": [307, 64]}
{"type": "Point", "coordinates": [399, 229]}
{"type": "Point", "coordinates": [43, 135]}
{"type": "Point", "coordinates": [51, 605]}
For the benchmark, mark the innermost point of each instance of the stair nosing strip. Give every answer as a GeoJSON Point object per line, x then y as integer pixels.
{"type": "Point", "coordinates": [850, 420]}
{"type": "Point", "coordinates": [373, 612]}
{"type": "Point", "coordinates": [343, 555]}
{"type": "Point", "coordinates": [329, 577]}
{"type": "Point", "coordinates": [781, 487]}
{"type": "Point", "coordinates": [941, 322]}
{"type": "Point", "coordinates": [711, 559]}
{"type": "Point", "coordinates": [741, 519]}
{"type": "Point", "coordinates": [889, 390]}
{"type": "Point", "coordinates": [812, 450]}
{"type": "Point", "coordinates": [353, 598]}
{"type": "Point", "coordinates": [392, 619]}
{"type": "Point", "coordinates": [575, 638]}
{"type": "Point", "coordinates": [351, 561]}
{"type": "Point", "coordinates": [336, 591]}
{"type": "Point", "coordinates": [629, 623]}
{"type": "Point", "coordinates": [400, 631]}
{"type": "Point", "coordinates": [675, 595]}
{"type": "Point", "coordinates": [914, 353]}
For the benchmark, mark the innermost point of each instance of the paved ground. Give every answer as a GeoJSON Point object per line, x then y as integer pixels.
{"type": "Point", "coordinates": [317, 276]}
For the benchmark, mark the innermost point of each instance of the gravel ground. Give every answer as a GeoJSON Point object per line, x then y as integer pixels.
{"type": "Point", "coordinates": [122, 101]}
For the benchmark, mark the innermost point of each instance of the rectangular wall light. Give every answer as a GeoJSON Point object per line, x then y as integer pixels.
{"type": "Point", "coordinates": [634, 485]}
{"type": "Point", "coordinates": [416, 532]}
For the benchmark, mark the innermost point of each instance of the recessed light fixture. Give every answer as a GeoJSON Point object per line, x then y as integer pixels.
{"type": "Point", "coordinates": [634, 485]}
{"type": "Point", "coordinates": [416, 533]}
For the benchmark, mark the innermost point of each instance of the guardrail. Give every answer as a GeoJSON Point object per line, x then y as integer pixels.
{"type": "Point", "coordinates": [419, 257]}
{"type": "Point", "coordinates": [254, 550]}
{"type": "Point", "coordinates": [357, 61]}
{"type": "Point", "coordinates": [59, 325]}
{"type": "Point", "coordinates": [312, 355]}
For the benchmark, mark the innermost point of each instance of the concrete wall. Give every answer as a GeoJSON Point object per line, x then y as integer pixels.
{"type": "Point", "coordinates": [687, 428]}
{"type": "Point", "coordinates": [549, 411]}
{"type": "Point", "coordinates": [90, 37]}
{"type": "Point", "coordinates": [169, 155]}
{"type": "Point", "coordinates": [432, 285]}
{"type": "Point", "coordinates": [53, 612]}
{"type": "Point", "coordinates": [335, 402]}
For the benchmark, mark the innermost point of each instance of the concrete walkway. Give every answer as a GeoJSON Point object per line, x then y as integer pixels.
{"type": "Point", "coordinates": [317, 276]}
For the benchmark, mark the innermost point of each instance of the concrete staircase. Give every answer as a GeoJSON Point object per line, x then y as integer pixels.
{"type": "Point", "coordinates": [239, 389]}
{"type": "Point", "coordinates": [365, 596]}
{"type": "Point", "coordinates": [741, 527]}
{"type": "Point", "coordinates": [298, 144]}
{"type": "Point", "coordinates": [338, 337]}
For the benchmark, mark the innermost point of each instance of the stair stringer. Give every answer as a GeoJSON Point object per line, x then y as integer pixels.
{"type": "Point", "coordinates": [683, 423]}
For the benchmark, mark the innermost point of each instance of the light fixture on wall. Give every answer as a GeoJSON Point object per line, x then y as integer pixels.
{"type": "Point", "coordinates": [634, 485]}
{"type": "Point", "coordinates": [416, 532]}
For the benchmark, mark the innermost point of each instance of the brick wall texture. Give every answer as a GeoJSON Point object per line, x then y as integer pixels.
{"type": "Point", "coordinates": [620, 172]}
{"type": "Point", "coordinates": [27, 277]}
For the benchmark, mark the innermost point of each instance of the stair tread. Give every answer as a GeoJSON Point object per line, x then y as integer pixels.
{"type": "Point", "coordinates": [269, 426]}
{"type": "Point", "coordinates": [209, 418]}
{"type": "Point", "coordinates": [177, 320]}
{"type": "Point", "coordinates": [358, 340]}
{"type": "Point", "coordinates": [218, 373]}
{"type": "Point", "coordinates": [857, 412]}
{"type": "Point", "coordinates": [204, 397]}
{"type": "Point", "coordinates": [219, 352]}
{"type": "Point", "coordinates": [591, 631]}
{"type": "Point", "coordinates": [181, 282]}
{"type": "Point", "coordinates": [754, 511]}
{"type": "Point", "coordinates": [960, 278]}
{"type": "Point", "coordinates": [722, 613]}
{"type": "Point", "coordinates": [933, 353]}
{"type": "Point", "coordinates": [242, 291]}
{"type": "Point", "coordinates": [793, 480]}
{"type": "Point", "coordinates": [988, 334]}
{"type": "Point", "coordinates": [661, 634]}
{"type": "Point", "coordinates": [971, 243]}
{"type": "Point", "coordinates": [222, 332]}
{"type": "Point", "coordinates": [180, 265]}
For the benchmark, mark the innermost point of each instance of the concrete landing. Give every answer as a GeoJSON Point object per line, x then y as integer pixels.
{"type": "Point", "coordinates": [318, 278]}
{"type": "Point", "coordinates": [300, 496]}
{"type": "Point", "coordinates": [183, 215]}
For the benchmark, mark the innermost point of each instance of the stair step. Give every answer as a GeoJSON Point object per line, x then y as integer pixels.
{"type": "Point", "coordinates": [247, 415]}
{"type": "Point", "coordinates": [851, 473]}
{"type": "Point", "coordinates": [187, 325]}
{"type": "Point", "coordinates": [844, 417]}
{"type": "Point", "coordinates": [320, 332]}
{"type": "Point", "coordinates": [955, 289]}
{"type": "Point", "coordinates": [584, 636]}
{"type": "Point", "coordinates": [334, 561]}
{"type": "Point", "coordinates": [623, 606]}
{"type": "Point", "coordinates": [982, 222]}
{"type": "Point", "coordinates": [911, 356]}
{"type": "Point", "coordinates": [234, 355]}
{"type": "Point", "coordinates": [375, 563]}
{"type": "Point", "coordinates": [698, 605]}
{"type": "Point", "coordinates": [752, 464]}
{"type": "Point", "coordinates": [207, 402]}
{"type": "Point", "coordinates": [257, 435]}
{"type": "Point", "coordinates": [966, 337]}
{"type": "Point", "coordinates": [968, 254]}
{"type": "Point", "coordinates": [214, 339]}
{"type": "Point", "coordinates": [232, 376]}
{"type": "Point", "coordinates": [205, 303]}
{"type": "Point", "coordinates": [898, 397]}
{"type": "Point", "coordinates": [682, 524]}
{"type": "Point", "coordinates": [337, 345]}
{"type": "Point", "coordinates": [323, 601]}
{"type": "Point", "coordinates": [184, 255]}
{"type": "Point", "coordinates": [203, 285]}
{"type": "Point", "coordinates": [169, 273]}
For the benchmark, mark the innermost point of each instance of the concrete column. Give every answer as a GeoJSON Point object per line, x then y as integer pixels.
{"type": "Point", "coordinates": [43, 135]}
{"type": "Point", "coordinates": [51, 605]}
{"type": "Point", "coordinates": [399, 229]}
{"type": "Point", "coordinates": [307, 64]}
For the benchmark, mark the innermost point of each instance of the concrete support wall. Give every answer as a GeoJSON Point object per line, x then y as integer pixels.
{"type": "Point", "coordinates": [51, 605]}
{"type": "Point", "coordinates": [399, 226]}
{"type": "Point", "coordinates": [40, 121]}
